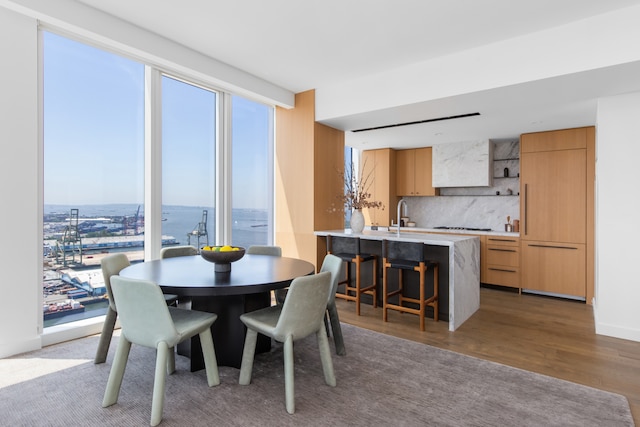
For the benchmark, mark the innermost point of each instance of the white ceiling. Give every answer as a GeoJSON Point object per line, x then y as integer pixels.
{"type": "Point", "coordinates": [306, 44]}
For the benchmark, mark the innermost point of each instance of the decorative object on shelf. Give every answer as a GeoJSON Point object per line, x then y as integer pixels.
{"type": "Point", "coordinates": [357, 221]}
{"type": "Point", "coordinates": [516, 225]}
{"type": "Point", "coordinates": [508, 227]}
{"type": "Point", "coordinates": [356, 195]}
{"type": "Point", "coordinates": [222, 256]}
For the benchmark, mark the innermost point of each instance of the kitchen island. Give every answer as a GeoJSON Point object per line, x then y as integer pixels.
{"type": "Point", "coordinates": [462, 254]}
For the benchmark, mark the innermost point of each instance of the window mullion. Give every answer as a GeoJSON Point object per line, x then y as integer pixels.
{"type": "Point", "coordinates": [223, 157]}
{"type": "Point", "coordinates": [153, 164]}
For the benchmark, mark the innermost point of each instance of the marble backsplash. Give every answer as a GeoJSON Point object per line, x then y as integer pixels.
{"type": "Point", "coordinates": [475, 207]}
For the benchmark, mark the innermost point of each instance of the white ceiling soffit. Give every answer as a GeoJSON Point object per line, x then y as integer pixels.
{"type": "Point", "coordinates": [302, 45]}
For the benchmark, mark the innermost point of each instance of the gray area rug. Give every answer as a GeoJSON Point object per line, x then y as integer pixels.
{"type": "Point", "coordinates": [383, 380]}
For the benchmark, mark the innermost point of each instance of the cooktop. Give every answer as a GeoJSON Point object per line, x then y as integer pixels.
{"type": "Point", "coordinates": [444, 227]}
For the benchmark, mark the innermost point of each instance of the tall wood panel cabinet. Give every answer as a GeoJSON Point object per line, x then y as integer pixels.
{"type": "Point", "coordinates": [413, 168]}
{"type": "Point", "coordinates": [308, 154]}
{"type": "Point", "coordinates": [556, 209]}
{"type": "Point", "coordinates": [380, 165]}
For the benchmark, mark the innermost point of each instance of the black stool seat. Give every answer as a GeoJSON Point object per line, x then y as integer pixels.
{"type": "Point", "coordinates": [350, 256]}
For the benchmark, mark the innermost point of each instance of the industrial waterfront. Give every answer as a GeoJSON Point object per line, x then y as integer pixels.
{"type": "Point", "coordinates": [77, 238]}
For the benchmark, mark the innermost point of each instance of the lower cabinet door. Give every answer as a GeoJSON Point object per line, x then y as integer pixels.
{"type": "Point", "coordinates": [554, 267]}
{"type": "Point", "coordinates": [503, 276]}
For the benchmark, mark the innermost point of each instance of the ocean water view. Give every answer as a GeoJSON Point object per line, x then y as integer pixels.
{"type": "Point", "coordinates": [250, 226]}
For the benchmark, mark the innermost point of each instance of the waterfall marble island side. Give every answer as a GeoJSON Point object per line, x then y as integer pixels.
{"type": "Point", "coordinates": [462, 257]}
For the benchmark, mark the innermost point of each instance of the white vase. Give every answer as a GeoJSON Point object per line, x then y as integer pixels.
{"type": "Point", "coordinates": [357, 221]}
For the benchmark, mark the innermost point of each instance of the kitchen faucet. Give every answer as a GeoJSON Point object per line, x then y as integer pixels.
{"type": "Point", "coordinates": [400, 203]}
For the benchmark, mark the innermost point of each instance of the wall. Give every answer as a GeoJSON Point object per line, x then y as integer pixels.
{"type": "Point", "coordinates": [617, 281]}
{"type": "Point", "coordinates": [21, 214]}
{"type": "Point", "coordinates": [474, 207]}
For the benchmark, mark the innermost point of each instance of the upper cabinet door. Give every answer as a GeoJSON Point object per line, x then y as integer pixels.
{"type": "Point", "coordinates": [554, 195]}
{"type": "Point", "coordinates": [405, 161]}
{"type": "Point", "coordinates": [423, 176]}
{"type": "Point", "coordinates": [413, 169]}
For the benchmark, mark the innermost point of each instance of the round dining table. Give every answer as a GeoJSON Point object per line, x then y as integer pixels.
{"type": "Point", "coordinates": [247, 287]}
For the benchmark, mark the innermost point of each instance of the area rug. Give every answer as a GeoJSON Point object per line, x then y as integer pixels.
{"type": "Point", "coordinates": [382, 380]}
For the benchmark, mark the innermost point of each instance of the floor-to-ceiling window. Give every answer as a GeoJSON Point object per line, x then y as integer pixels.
{"type": "Point", "coordinates": [93, 172]}
{"type": "Point", "coordinates": [188, 163]}
{"type": "Point", "coordinates": [94, 162]}
{"type": "Point", "coordinates": [252, 173]}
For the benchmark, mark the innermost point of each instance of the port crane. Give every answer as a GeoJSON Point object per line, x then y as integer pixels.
{"type": "Point", "coordinates": [132, 222]}
{"type": "Point", "coordinates": [200, 231]}
{"type": "Point", "coordinates": [71, 240]}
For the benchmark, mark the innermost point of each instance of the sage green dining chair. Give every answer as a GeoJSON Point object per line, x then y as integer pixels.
{"type": "Point", "coordinates": [179, 251]}
{"type": "Point", "coordinates": [111, 265]}
{"type": "Point", "coordinates": [147, 321]}
{"type": "Point", "coordinates": [301, 315]}
{"type": "Point", "coordinates": [333, 264]}
{"type": "Point", "coordinates": [176, 251]}
{"type": "Point", "coordinates": [271, 250]}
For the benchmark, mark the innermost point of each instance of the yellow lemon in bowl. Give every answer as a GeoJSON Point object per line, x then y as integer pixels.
{"type": "Point", "coordinates": [226, 248]}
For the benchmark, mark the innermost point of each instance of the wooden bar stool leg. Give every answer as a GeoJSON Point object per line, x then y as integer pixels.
{"type": "Point", "coordinates": [375, 282]}
{"type": "Point", "coordinates": [357, 262]}
{"type": "Point", "coordinates": [422, 296]}
{"type": "Point", "coordinates": [435, 292]}
{"type": "Point", "coordinates": [400, 287]}
{"type": "Point", "coordinates": [384, 291]}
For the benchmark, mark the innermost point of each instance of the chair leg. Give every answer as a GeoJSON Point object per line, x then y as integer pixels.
{"type": "Point", "coordinates": [422, 294]}
{"type": "Point", "coordinates": [358, 284]}
{"type": "Point", "coordinates": [209, 354]}
{"type": "Point", "coordinates": [117, 373]}
{"type": "Point", "coordinates": [436, 302]}
{"type": "Point", "coordinates": [336, 329]}
{"type": "Point", "coordinates": [171, 361]}
{"type": "Point", "coordinates": [280, 295]}
{"type": "Point", "coordinates": [325, 358]}
{"type": "Point", "coordinates": [105, 336]}
{"type": "Point", "coordinates": [289, 388]}
{"type": "Point", "coordinates": [375, 282]}
{"type": "Point", "coordinates": [248, 353]}
{"type": "Point", "coordinates": [157, 403]}
{"type": "Point", "coordinates": [384, 292]}
{"type": "Point", "coordinates": [327, 326]}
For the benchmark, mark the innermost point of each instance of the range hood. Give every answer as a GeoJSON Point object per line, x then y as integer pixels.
{"type": "Point", "coordinates": [463, 164]}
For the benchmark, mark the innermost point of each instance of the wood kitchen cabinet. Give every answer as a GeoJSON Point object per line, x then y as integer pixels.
{"type": "Point", "coordinates": [381, 164]}
{"type": "Point", "coordinates": [556, 209]}
{"type": "Point", "coordinates": [502, 254]}
{"type": "Point", "coordinates": [413, 169]}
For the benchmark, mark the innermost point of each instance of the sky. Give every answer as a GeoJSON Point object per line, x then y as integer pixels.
{"type": "Point", "coordinates": [94, 134]}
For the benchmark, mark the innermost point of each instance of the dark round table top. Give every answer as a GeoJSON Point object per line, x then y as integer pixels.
{"type": "Point", "coordinates": [193, 276]}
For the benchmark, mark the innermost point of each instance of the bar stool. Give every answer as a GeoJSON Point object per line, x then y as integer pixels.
{"type": "Point", "coordinates": [348, 250]}
{"type": "Point", "coordinates": [408, 256]}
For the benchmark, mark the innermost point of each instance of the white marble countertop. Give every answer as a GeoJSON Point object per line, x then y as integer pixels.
{"type": "Point", "coordinates": [449, 231]}
{"type": "Point", "coordinates": [405, 236]}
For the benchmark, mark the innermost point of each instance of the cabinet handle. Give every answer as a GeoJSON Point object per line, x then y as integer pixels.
{"type": "Point", "coordinates": [493, 239]}
{"type": "Point", "coordinates": [503, 269]}
{"type": "Point", "coordinates": [552, 246]}
{"type": "Point", "coordinates": [501, 250]}
{"type": "Point", "coordinates": [526, 206]}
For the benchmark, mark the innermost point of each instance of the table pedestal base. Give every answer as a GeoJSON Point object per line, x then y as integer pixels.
{"type": "Point", "coordinates": [228, 331]}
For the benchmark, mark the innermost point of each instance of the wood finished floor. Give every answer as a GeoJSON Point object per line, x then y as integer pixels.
{"type": "Point", "coordinates": [549, 336]}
